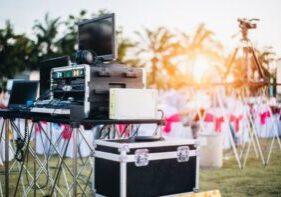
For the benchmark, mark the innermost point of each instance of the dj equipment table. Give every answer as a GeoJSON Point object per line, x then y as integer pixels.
{"type": "Point", "coordinates": [42, 166]}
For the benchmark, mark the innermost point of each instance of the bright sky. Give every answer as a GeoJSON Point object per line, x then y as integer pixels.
{"type": "Point", "coordinates": [219, 15]}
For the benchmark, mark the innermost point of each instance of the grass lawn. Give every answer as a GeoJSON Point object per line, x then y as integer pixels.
{"type": "Point", "coordinates": [253, 180]}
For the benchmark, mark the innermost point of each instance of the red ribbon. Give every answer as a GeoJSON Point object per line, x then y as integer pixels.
{"type": "Point", "coordinates": [121, 127]}
{"type": "Point", "coordinates": [264, 116]}
{"type": "Point", "coordinates": [66, 132]}
{"type": "Point", "coordinates": [169, 120]}
{"type": "Point", "coordinates": [236, 120]}
{"type": "Point", "coordinates": [217, 120]}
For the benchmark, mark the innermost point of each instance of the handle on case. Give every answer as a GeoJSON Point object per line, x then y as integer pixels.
{"type": "Point", "coordinates": [147, 138]}
{"type": "Point", "coordinates": [104, 73]}
{"type": "Point", "coordinates": [101, 91]}
{"type": "Point", "coordinates": [157, 135]}
{"type": "Point", "coordinates": [130, 74]}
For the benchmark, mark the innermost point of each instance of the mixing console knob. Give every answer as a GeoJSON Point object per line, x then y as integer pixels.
{"type": "Point", "coordinates": [67, 88]}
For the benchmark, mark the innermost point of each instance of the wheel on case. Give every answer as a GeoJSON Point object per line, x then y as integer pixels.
{"type": "Point", "coordinates": [195, 190]}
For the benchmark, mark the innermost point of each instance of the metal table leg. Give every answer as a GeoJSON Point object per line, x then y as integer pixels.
{"type": "Point", "coordinates": [75, 130]}
{"type": "Point", "coordinates": [34, 162]}
{"type": "Point", "coordinates": [6, 122]}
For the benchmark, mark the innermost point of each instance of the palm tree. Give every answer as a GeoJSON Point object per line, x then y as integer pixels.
{"type": "Point", "coordinates": [166, 53]}
{"type": "Point", "coordinates": [46, 34]}
{"type": "Point", "coordinates": [154, 51]}
{"type": "Point", "coordinates": [262, 58]}
{"type": "Point", "coordinates": [16, 52]}
{"type": "Point", "coordinates": [68, 43]}
{"type": "Point", "coordinates": [202, 44]}
{"type": "Point", "coordinates": [124, 45]}
{"type": "Point", "coordinates": [265, 57]}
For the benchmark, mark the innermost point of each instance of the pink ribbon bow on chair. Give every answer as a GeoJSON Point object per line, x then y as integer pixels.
{"type": "Point", "coordinates": [264, 116]}
{"type": "Point", "coordinates": [121, 130]}
{"type": "Point", "coordinates": [236, 120]}
{"type": "Point", "coordinates": [217, 120]}
{"type": "Point", "coordinates": [169, 120]}
{"type": "Point", "coordinates": [66, 132]}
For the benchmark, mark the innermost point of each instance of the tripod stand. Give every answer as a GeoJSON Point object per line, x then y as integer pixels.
{"type": "Point", "coordinates": [249, 53]}
{"type": "Point", "coordinates": [250, 63]}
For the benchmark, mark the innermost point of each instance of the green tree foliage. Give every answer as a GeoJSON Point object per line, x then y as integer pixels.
{"type": "Point", "coordinates": [155, 51]}
{"type": "Point", "coordinates": [169, 56]}
{"type": "Point", "coordinates": [125, 45]}
{"type": "Point", "coordinates": [54, 37]}
{"type": "Point", "coordinates": [46, 34]}
{"type": "Point", "coordinates": [16, 51]}
{"type": "Point", "coordinates": [68, 43]}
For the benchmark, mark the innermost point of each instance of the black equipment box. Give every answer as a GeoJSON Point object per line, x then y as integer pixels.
{"type": "Point", "coordinates": [146, 169]}
{"type": "Point", "coordinates": [88, 86]}
{"type": "Point", "coordinates": [111, 76]}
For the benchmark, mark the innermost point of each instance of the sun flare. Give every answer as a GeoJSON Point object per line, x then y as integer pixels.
{"type": "Point", "coordinates": [201, 66]}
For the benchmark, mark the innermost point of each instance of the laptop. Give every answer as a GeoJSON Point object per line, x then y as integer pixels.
{"type": "Point", "coordinates": [23, 91]}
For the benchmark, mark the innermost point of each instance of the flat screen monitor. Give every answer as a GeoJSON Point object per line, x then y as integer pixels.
{"type": "Point", "coordinates": [23, 91]}
{"type": "Point", "coordinates": [45, 70]}
{"type": "Point", "coordinates": [98, 36]}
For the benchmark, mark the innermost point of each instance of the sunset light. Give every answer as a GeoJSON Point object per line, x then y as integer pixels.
{"type": "Point", "coordinates": [140, 98]}
{"type": "Point", "coordinates": [201, 67]}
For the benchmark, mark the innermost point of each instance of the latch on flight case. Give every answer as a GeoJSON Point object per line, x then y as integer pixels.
{"type": "Point", "coordinates": [183, 154]}
{"type": "Point", "coordinates": [141, 157]}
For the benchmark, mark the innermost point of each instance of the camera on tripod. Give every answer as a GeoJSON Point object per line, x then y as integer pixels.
{"type": "Point", "coordinates": [250, 58]}
{"type": "Point", "coordinates": [246, 24]}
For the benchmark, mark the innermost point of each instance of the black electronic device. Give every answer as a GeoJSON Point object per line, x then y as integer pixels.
{"type": "Point", "coordinates": [45, 69]}
{"type": "Point", "coordinates": [22, 92]}
{"type": "Point", "coordinates": [88, 87]}
{"type": "Point", "coordinates": [98, 36]}
{"type": "Point", "coordinates": [84, 57]}
{"type": "Point", "coordinates": [83, 85]}
{"type": "Point", "coordinates": [109, 76]}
